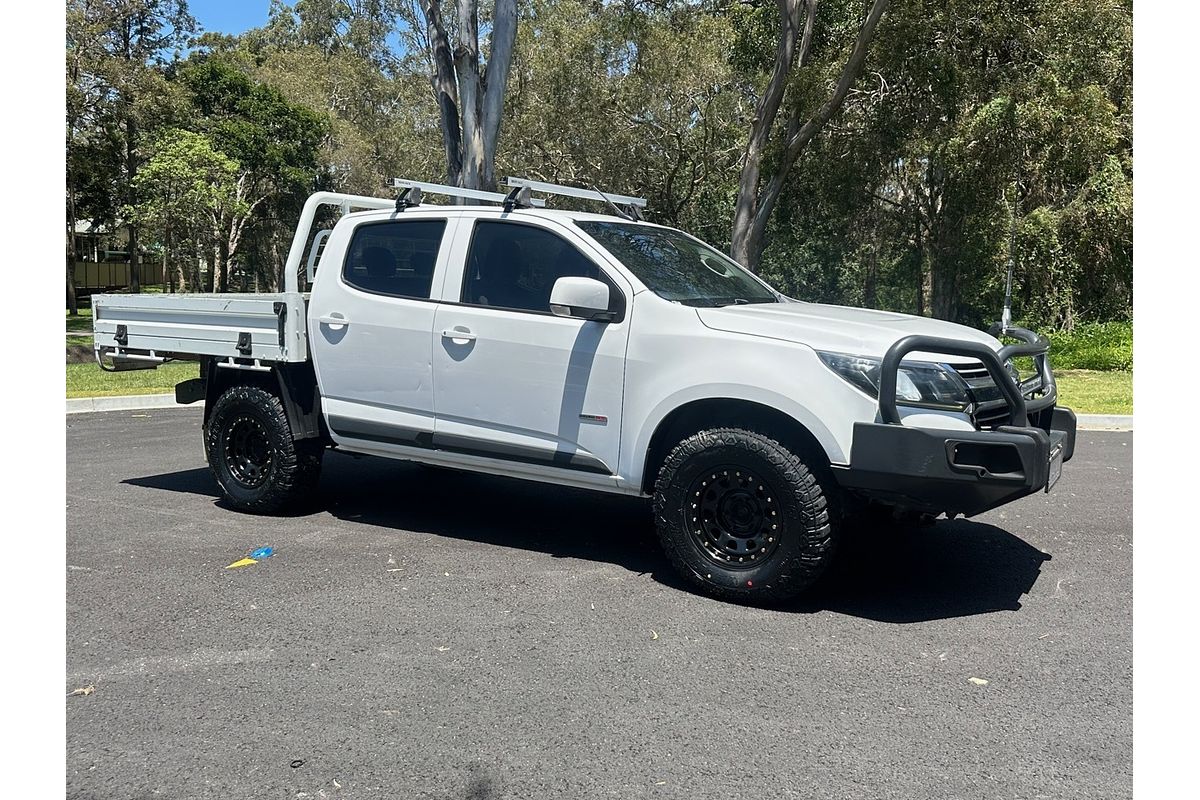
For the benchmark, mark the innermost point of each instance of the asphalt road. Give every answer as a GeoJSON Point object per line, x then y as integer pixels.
{"type": "Point", "coordinates": [428, 634]}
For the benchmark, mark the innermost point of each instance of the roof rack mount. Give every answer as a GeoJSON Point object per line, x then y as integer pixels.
{"type": "Point", "coordinates": [456, 191]}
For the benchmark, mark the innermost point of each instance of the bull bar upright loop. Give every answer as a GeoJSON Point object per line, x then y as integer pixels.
{"type": "Point", "coordinates": [1018, 409]}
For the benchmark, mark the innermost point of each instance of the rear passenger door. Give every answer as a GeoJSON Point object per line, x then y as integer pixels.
{"type": "Point", "coordinates": [512, 381]}
{"type": "Point", "coordinates": [370, 330]}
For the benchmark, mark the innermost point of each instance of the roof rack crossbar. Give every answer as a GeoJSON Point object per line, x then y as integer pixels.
{"type": "Point", "coordinates": [456, 191]}
{"type": "Point", "coordinates": [572, 191]}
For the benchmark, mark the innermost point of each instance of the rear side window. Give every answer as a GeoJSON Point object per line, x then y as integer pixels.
{"type": "Point", "coordinates": [515, 266]}
{"type": "Point", "coordinates": [394, 258]}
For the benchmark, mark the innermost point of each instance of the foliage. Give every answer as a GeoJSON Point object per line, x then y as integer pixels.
{"type": "Point", "coordinates": [1093, 345]}
{"type": "Point", "coordinates": [275, 141]}
{"type": "Point", "coordinates": [977, 126]}
{"type": "Point", "coordinates": [974, 130]}
{"type": "Point", "coordinates": [186, 191]}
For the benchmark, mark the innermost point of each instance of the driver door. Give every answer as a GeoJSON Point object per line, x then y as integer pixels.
{"type": "Point", "coordinates": [512, 380]}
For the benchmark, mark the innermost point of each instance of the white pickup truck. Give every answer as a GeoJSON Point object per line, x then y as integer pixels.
{"type": "Point", "coordinates": [601, 352]}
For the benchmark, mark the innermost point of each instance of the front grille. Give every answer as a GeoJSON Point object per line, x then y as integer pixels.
{"type": "Point", "coordinates": [990, 408]}
{"type": "Point", "coordinates": [990, 416]}
{"type": "Point", "coordinates": [972, 371]}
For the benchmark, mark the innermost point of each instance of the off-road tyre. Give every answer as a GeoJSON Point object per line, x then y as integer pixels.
{"type": "Point", "coordinates": [733, 479]}
{"type": "Point", "coordinates": [251, 452]}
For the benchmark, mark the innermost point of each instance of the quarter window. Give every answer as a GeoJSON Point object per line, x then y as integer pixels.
{"type": "Point", "coordinates": [394, 258]}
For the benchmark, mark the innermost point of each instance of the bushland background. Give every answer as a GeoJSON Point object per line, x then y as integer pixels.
{"type": "Point", "coordinates": [887, 155]}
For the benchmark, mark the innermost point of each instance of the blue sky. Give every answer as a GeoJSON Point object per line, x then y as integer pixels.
{"type": "Point", "coordinates": [239, 16]}
{"type": "Point", "coordinates": [229, 16]}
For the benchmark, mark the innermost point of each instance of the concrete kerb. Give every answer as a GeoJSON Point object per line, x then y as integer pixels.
{"type": "Point", "coordinates": [1105, 422]}
{"type": "Point", "coordinates": [82, 405]}
{"type": "Point", "coordinates": [133, 402]}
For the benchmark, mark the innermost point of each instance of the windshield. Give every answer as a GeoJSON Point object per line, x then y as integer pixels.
{"type": "Point", "coordinates": [677, 267]}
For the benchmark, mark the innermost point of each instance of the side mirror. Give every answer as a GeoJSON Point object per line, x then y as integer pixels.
{"type": "Point", "coordinates": [580, 298]}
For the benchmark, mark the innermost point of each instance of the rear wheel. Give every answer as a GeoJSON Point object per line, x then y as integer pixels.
{"type": "Point", "coordinates": [742, 517]}
{"type": "Point", "coordinates": [253, 456]}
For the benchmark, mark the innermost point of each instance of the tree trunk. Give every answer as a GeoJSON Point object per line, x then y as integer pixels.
{"type": "Point", "coordinates": [944, 291]}
{"type": "Point", "coordinates": [210, 263]}
{"type": "Point", "coordinates": [755, 204]}
{"type": "Point", "coordinates": [765, 112]}
{"type": "Point", "coordinates": [72, 299]}
{"type": "Point", "coordinates": [922, 287]}
{"type": "Point", "coordinates": [445, 88]}
{"type": "Point", "coordinates": [504, 37]}
{"type": "Point", "coordinates": [470, 104]}
{"type": "Point", "coordinates": [280, 263]}
{"type": "Point", "coordinates": [466, 66]}
{"type": "Point", "coordinates": [223, 265]}
{"type": "Point", "coordinates": [130, 173]}
{"type": "Point", "coordinates": [168, 257]}
{"type": "Point", "coordinates": [871, 278]}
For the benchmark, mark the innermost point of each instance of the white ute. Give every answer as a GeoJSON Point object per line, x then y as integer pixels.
{"type": "Point", "coordinates": [601, 352]}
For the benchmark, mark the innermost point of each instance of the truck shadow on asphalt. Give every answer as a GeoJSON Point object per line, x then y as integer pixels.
{"type": "Point", "coordinates": [951, 569]}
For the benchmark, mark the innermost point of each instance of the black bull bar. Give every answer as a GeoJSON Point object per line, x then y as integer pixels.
{"type": "Point", "coordinates": [963, 471]}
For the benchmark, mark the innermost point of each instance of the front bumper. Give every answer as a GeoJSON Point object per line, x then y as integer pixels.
{"type": "Point", "coordinates": [956, 472]}
{"type": "Point", "coordinates": [962, 472]}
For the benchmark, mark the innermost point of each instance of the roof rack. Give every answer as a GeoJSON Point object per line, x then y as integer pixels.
{"type": "Point", "coordinates": [518, 196]}
{"type": "Point", "coordinates": [450, 191]}
{"type": "Point", "coordinates": [572, 191]}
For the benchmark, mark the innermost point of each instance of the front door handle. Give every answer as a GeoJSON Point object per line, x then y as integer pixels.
{"type": "Point", "coordinates": [458, 335]}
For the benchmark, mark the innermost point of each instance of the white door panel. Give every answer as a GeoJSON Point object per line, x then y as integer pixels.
{"type": "Point", "coordinates": [372, 351]}
{"type": "Point", "coordinates": [529, 387]}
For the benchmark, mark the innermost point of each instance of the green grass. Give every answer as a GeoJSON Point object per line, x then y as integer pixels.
{"type": "Point", "coordinates": [83, 322]}
{"type": "Point", "coordinates": [1091, 392]}
{"type": "Point", "coordinates": [88, 380]}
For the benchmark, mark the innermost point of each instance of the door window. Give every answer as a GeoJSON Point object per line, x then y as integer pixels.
{"type": "Point", "coordinates": [394, 258]}
{"type": "Point", "coordinates": [514, 266]}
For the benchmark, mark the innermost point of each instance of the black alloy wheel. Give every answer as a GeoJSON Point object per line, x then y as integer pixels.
{"type": "Point", "coordinates": [734, 518]}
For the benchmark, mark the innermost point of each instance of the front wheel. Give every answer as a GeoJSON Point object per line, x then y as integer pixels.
{"type": "Point", "coordinates": [253, 456]}
{"type": "Point", "coordinates": [742, 517]}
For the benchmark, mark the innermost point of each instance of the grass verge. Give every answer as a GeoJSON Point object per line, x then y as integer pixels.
{"type": "Point", "coordinates": [83, 322]}
{"type": "Point", "coordinates": [88, 380]}
{"type": "Point", "coordinates": [1093, 392]}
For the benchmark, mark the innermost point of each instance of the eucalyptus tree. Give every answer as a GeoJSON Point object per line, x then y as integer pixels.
{"type": "Point", "coordinates": [759, 189]}
{"type": "Point", "coordinates": [977, 133]}
{"type": "Point", "coordinates": [634, 98]}
{"type": "Point", "coordinates": [468, 57]}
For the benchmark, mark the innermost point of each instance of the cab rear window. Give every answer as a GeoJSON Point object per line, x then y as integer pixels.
{"type": "Point", "coordinates": [394, 258]}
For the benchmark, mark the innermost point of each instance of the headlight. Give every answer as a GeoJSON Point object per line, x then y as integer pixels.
{"type": "Point", "coordinates": [917, 382]}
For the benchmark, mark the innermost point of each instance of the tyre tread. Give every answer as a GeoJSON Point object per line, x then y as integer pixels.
{"type": "Point", "coordinates": [297, 467]}
{"type": "Point", "coordinates": [814, 527]}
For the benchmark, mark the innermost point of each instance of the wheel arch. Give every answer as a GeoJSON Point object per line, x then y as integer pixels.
{"type": "Point", "coordinates": [294, 384]}
{"type": "Point", "coordinates": [723, 412]}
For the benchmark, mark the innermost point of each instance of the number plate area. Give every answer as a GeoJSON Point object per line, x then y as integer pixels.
{"type": "Point", "coordinates": [1056, 462]}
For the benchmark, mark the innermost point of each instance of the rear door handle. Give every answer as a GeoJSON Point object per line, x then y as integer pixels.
{"type": "Point", "coordinates": [334, 320]}
{"type": "Point", "coordinates": [458, 335]}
